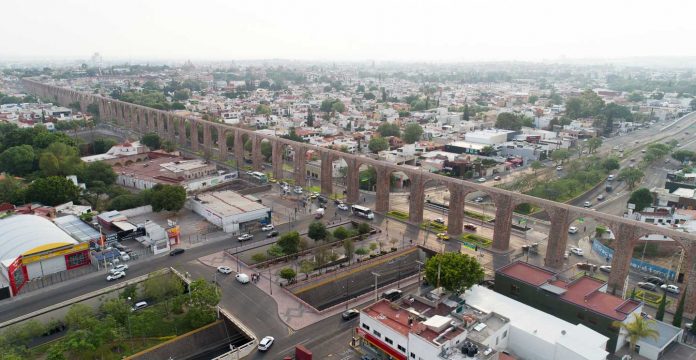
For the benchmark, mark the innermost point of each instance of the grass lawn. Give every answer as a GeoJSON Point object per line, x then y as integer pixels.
{"type": "Point", "coordinates": [477, 239]}
{"type": "Point", "coordinates": [478, 215]}
{"type": "Point", "coordinates": [398, 214]}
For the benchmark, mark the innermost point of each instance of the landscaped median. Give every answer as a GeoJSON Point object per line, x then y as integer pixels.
{"type": "Point", "coordinates": [398, 214]}
{"type": "Point", "coordinates": [650, 298]}
{"type": "Point", "coordinates": [433, 225]}
{"type": "Point", "coordinates": [478, 216]}
{"type": "Point", "coordinates": [473, 240]}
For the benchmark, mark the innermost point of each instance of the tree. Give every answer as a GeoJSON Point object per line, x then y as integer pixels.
{"type": "Point", "coordinates": [361, 251]}
{"type": "Point", "coordinates": [453, 271]}
{"type": "Point", "coordinates": [263, 109]}
{"type": "Point", "coordinates": [182, 94]}
{"type": "Point", "coordinates": [151, 140]}
{"type": "Point", "coordinates": [266, 150]}
{"type": "Point", "coordinates": [560, 155]}
{"type": "Point", "coordinates": [102, 145]}
{"type": "Point", "coordinates": [389, 129]}
{"type": "Point", "coordinates": [536, 165]}
{"type": "Point", "coordinates": [17, 160]}
{"type": "Point", "coordinates": [660, 314]}
{"type": "Point", "coordinates": [631, 176]}
{"type": "Point", "coordinates": [53, 190]}
{"type": "Point", "coordinates": [412, 133]}
{"type": "Point", "coordinates": [317, 231]}
{"type": "Point", "coordinates": [59, 159]}
{"type": "Point", "coordinates": [204, 296]}
{"type": "Point", "coordinates": [160, 287]}
{"type": "Point", "coordinates": [341, 233]}
{"type": "Point", "coordinates": [97, 171]}
{"type": "Point", "coordinates": [306, 266]}
{"type": "Point", "coordinates": [11, 191]}
{"type": "Point", "coordinates": [168, 197]}
{"type": "Point", "coordinates": [465, 112]}
{"type": "Point", "coordinates": [364, 228]}
{"type": "Point", "coordinates": [611, 163]}
{"type": "Point", "coordinates": [635, 97]}
{"type": "Point", "coordinates": [692, 103]}
{"type": "Point", "coordinates": [349, 249]}
{"type": "Point", "coordinates": [487, 150]}
{"type": "Point", "coordinates": [532, 99]}
{"type": "Point", "coordinates": [679, 313]}
{"type": "Point", "coordinates": [683, 155]}
{"type": "Point", "coordinates": [332, 105]}
{"type": "Point", "coordinates": [593, 144]}
{"type": "Point", "coordinates": [168, 146]}
{"type": "Point", "coordinates": [508, 121]}
{"type": "Point", "coordinates": [310, 118]}
{"type": "Point", "coordinates": [641, 198]}
{"type": "Point", "coordinates": [637, 329]}
{"type": "Point", "coordinates": [79, 317]}
{"type": "Point", "coordinates": [288, 274]}
{"type": "Point", "coordinates": [289, 242]}
{"type": "Point", "coordinates": [378, 144]}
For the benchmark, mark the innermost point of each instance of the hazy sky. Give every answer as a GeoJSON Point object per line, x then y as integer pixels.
{"type": "Point", "coordinates": [432, 30]}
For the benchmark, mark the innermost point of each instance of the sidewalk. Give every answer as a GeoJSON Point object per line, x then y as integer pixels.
{"type": "Point", "coordinates": [291, 310]}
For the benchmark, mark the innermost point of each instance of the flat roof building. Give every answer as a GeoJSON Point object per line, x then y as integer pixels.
{"type": "Point", "coordinates": [230, 210]}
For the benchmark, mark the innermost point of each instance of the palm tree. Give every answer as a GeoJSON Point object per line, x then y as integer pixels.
{"type": "Point", "coordinates": [637, 329]}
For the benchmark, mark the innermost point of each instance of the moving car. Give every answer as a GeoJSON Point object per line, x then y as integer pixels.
{"type": "Point", "coordinates": [119, 268]}
{"type": "Point", "coordinates": [470, 227]}
{"type": "Point", "coordinates": [297, 190]}
{"type": "Point", "coordinates": [654, 280]}
{"type": "Point", "coordinates": [443, 236]}
{"type": "Point", "coordinates": [587, 204]}
{"type": "Point", "coordinates": [350, 314]}
{"type": "Point", "coordinates": [176, 252]}
{"type": "Point", "coordinates": [572, 230]}
{"type": "Point", "coordinates": [392, 294]}
{"type": "Point", "coordinates": [647, 286]}
{"type": "Point", "coordinates": [577, 251]}
{"type": "Point", "coordinates": [586, 266]}
{"type": "Point", "coordinates": [600, 197]}
{"type": "Point", "coordinates": [273, 233]}
{"type": "Point", "coordinates": [242, 278]}
{"type": "Point", "coordinates": [497, 178]}
{"type": "Point", "coordinates": [670, 288]}
{"type": "Point", "coordinates": [266, 343]}
{"type": "Point", "coordinates": [440, 221]}
{"type": "Point", "coordinates": [115, 276]}
{"type": "Point", "coordinates": [268, 227]}
{"type": "Point", "coordinates": [610, 178]}
{"type": "Point", "coordinates": [481, 180]}
{"type": "Point", "coordinates": [139, 305]}
{"type": "Point", "coordinates": [605, 268]}
{"type": "Point", "coordinates": [559, 168]}
{"type": "Point", "coordinates": [224, 269]}
{"type": "Point", "coordinates": [479, 199]}
{"type": "Point", "coordinates": [342, 206]}
{"type": "Point", "coordinates": [245, 237]}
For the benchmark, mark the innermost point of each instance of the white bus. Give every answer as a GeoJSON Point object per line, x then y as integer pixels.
{"type": "Point", "coordinates": [362, 211]}
{"type": "Point", "coordinates": [259, 176]}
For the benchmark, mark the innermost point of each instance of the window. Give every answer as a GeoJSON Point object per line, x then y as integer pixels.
{"type": "Point", "coordinates": [514, 290]}
{"type": "Point", "coordinates": [413, 356]}
{"type": "Point", "coordinates": [592, 320]}
{"type": "Point", "coordinates": [504, 334]}
{"type": "Point", "coordinates": [365, 327]}
{"type": "Point", "coordinates": [401, 348]}
{"type": "Point", "coordinates": [76, 259]}
{"type": "Point", "coordinates": [376, 333]}
{"type": "Point", "coordinates": [388, 340]}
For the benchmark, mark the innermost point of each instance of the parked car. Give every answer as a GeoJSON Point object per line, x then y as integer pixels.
{"type": "Point", "coordinates": [268, 227]}
{"type": "Point", "coordinates": [242, 278]}
{"type": "Point", "coordinates": [481, 180]}
{"type": "Point", "coordinates": [577, 251]}
{"type": "Point", "coordinates": [587, 204]}
{"type": "Point", "coordinates": [124, 256]}
{"type": "Point", "coordinates": [273, 233]}
{"type": "Point", "coordinates": [572, 230]}
{"type": "Point", "coordinates": [115, 276]}
{"type": "Point", "coordinates": [479, 199]}
{"type": "Point", "coordinates": [392, 294]}
{"type": "Point", "coordinates": [245, 237]}
{"type": "Point", "coordinates": [139, 305]}
{"type": "Point", "coordinates": [298, 190]}
{"type": "Point", "coordinates": [610, 178]}
{"type": "Point", "coordinates": [647, 286]}
{"type": "Point", "coordinates": [470, 227]}
{"type": "Point", "coordinates": [605, 268]}
{"type": "Point", "coordinates": [496, 178]}
{"type": "Point", "coordinates": [119, 268]}
{"type": "Point", "coordinates": [342, 206]}
{"type": "Point", "coordinates": [266, 343]}
{"type": "Point", "coordinates": [175, 252]}
{"type": "Point", "coordinates": [654, 280]}
{"type": "Point", "coordinates": [224, 269]}
{"type": "Point", "coordinates": [670, 288]}
{"type": "Point", "coordinates": [350, 314]}
{"type": "Point", "coordinates": [440, 221]}
{"type": "Point", "coordinates": [559, 168]}
{"type": "Point", "coordinates": [586, 266]}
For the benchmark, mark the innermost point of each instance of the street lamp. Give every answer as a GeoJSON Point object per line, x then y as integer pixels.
{"type": "Point", "coordinates": [376, 276]}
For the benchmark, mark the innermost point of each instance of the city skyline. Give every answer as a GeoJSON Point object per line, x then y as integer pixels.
{"type": "Point", "coordinates": [435, 32]}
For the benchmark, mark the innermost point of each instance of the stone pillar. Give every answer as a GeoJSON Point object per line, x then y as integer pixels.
{"type": "Point", "coordinates": [558, 237]}
{"type": "Point", "coordinates": [238, 149]}
{"type": "Point", "coordinates": [207, 141]}
{"type": "Point", "coordinates": [256, 156]}
{"type": "Point", "coordinates": [382, 195]}
{"type": "Point", "coordinates": [689, 269]}
{"type": "Point", "coordinates": [503, 221]}
{"type": "Point", "coordinates": [182, 130]}
{"type": "Point", "coordinates": [300, 161]}
{"type": "Point", "coordinates": [222, 143]}
{"type": "Point", "coordinates": [171, 127]}
{"type": "Point", "coordinates": [353, 181]}
{"type": "Point", "coordinates": [625, 239]}
{"type": "Point", "coordinates": [326, 173]}
{"type": "Point", "coordinates": [277, 159]}
{"type": "Point", "coordinates": [416, 199]}
{"type": "Point", "coordinates": [194, 135]}
{"type": "Point", "coordinates": [455, 215]}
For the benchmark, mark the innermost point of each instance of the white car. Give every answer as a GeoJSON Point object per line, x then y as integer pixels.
{"type": "Point", "coordinates": [559, 167]}
{"type": "Point", "coordinates": [572, 230]}
{"type": "Point", "coordinates": [297, 190]}
{"type": "Point", "coordinates": [577, 251]}
{"type": "Point", "coordinates": [587, 204]}
{"type": "Point", "coordinates": [245, 237]}
{"type": "Point", "coordinates": [670, 288]}
{"type": "Point", "coordinates": [605, 268]}
{"type": "Point", "coordinates": [268, 227]}
{"type": "Point", "coordinates": [224, 269]}
{"type": "Point", "coordinates": [124, 256]}
{"type": "Point", "coordinates": [266, 343]}
{"type": "Point", "coordinates": [119, 268]}
{"type": "Point", "coordinates": [481, 180]}
{"type": "Point", "coordinates": [242, 278]}
{"type": "Point", "coordinates": [115, 276]}
{"type": "Point", "coordinates": [342, 206]}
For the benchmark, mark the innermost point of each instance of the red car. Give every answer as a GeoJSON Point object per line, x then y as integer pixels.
{"type": "Point", "coordinates": [470, 227]}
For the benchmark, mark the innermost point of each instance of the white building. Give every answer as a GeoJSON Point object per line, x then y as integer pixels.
{"type": "Point", "coordinates": [490, 136]}
{"type": "Point", "coordinates": [230, 210]}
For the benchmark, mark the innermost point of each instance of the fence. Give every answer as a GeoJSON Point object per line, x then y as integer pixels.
{"type": "Point", "coordinates": [636, 264]}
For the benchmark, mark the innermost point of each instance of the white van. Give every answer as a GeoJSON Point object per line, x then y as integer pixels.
{"type": "Point", "coordinates": [139, 305]}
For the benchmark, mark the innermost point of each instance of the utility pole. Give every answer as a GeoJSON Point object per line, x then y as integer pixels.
{"type": "Point", "coordinates": [376, 276]}
{"type": "Point", "coordinates": [419, 264]}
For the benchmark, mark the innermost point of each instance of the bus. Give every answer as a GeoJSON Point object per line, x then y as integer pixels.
{"type": "Point", "coordinates": [259, 176]}
{"type": "Point", "coordinates": [362, 211]}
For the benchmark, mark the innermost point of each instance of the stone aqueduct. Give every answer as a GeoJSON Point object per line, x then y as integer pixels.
{"type": "Point", "coordinates": [174, 128]}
